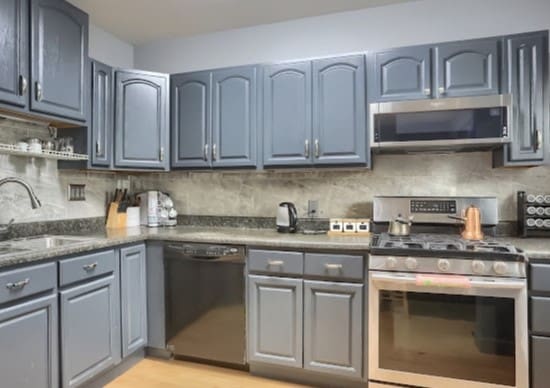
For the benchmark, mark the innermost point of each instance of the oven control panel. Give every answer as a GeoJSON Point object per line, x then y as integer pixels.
{"type": "Point", "coordinates": [433, 206]}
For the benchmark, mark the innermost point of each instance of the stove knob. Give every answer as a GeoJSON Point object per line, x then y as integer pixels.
{"type": "Point", "coordinates": [500, 268]}
{"type": "Point", "coordinates": [391, 262]}
{"type": "Point", "coordinates": [478, 266]}
{"type": "Point", "coordinates": [444, 265]}
{"type": "Point", "coordinates": [411, 264]}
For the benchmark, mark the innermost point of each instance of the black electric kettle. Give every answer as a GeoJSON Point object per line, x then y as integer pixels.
{"type": "Point", "coordinates": [287, 217]}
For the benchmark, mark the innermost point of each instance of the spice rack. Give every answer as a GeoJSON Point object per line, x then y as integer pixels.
{"type": "Point", "coordinates": [10, 149]}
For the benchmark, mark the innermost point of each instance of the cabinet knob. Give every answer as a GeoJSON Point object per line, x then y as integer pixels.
{"type": "Point", "coordinates": [330, 266]}
{"type": "Point", "coordinates": [441, 90]}
{"type": "Point", "coordinates": [205, 153]}
{"type": "Point", "coordinates": [23, 84]}
{"type": "Point", "coordinates": [306, 148]}
{"type": "Point", "coordinates": [317, 148]}
{"type": "Point", "coordinates": [538, 144]}
{"type": "Point", "coordinates": [427, 91]}
{"type": "Point", "coordinates": [17, 285]}
{"type": "Point", "coordinates": [89, 267]}
{"type": "Point", "coordinates": [214, 152]}
{"type": "Point", "coordinates": [38, 91]}
{"type": "Point", "coordinates": [161, 155]}
{"type": "Point", "coordinates": [98, 148]}
{"type": "Point", "coordinates": [275, 263]}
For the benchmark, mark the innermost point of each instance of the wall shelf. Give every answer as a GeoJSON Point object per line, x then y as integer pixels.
{"type": "Point", "coordinates": [11, 149]}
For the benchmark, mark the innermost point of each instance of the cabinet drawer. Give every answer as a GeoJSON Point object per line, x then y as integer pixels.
{"type": "Point", "coordinates": [540, 277]}
{"type": "Point", "coordinates": [24, 282]}
{"type": "Point", "coordinates": [334, 266]}
{"type": "Point", "coordinates": [276, 262]}
{"type": "Point", "coordinates": [540, 315]}
{"type": "Point", "coordinates": [87, 266]}
{"type": "Point", "coordinates": [540, 351]}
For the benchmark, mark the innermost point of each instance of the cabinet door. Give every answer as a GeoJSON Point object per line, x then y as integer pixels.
{"type": "Point", "coordinates": [90, 330]}
{"type": "Point", "coordinates": [467, 68]}
{"type": "Point", "coordinates": [191, 119]}
{"type": "Point", "coordinates": [287, 114]}
{"type": "Point", "coordinates": [339, 111]}
{"type": "Point", "coordinates": [102, 114]}
{"type": "Point", "coordinates": [29, 344]}
{"type": "Point", "coordinates": [333, 339]}
{"type": "Point", "coordinates": [540, 354]}
{"type": "Point", "coordinates": [275, 320]}
{"type": "Point", "coordinates": [234, 117]}
{"type": "Point", "coordinates": [133, 291]}
{"type": "Point", "coordinates": [401, 74]}
{"type": "Point", "coordinates": [14, 52]}
{"type": "Point", "coordinates": [527, 66]}
{"type": "Point", "coordinates": [141, 120]}
{"type": "Point", "coordinates": [59, 52]}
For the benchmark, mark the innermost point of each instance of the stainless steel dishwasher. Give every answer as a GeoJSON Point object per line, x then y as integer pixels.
{"type": "Point", "coordinates": [205, 302]}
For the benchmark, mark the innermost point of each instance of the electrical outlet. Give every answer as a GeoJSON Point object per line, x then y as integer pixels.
{"type": "Point", "coordinates": [313, 208]}
{"type": "Point", "coordinates": [76, 192]}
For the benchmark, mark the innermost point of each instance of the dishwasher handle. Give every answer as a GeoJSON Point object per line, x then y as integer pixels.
{"type": "Point", "coordinates": [205, 253]}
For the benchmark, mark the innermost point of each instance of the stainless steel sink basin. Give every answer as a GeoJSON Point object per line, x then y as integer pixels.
{"type": "Point", "coordinates": [45, 242]}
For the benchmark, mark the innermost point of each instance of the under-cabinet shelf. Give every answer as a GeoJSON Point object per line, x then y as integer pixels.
{"type": "Point", "coordinates": [11, 149]}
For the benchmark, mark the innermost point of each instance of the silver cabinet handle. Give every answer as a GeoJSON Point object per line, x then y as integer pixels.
{"type": "Point", "coordinates": [23, 84]}
{"type": "Point", "coordinates": [306, 148]}
{"type": "Point", "coordinates": [333, 266]}
{"type": "Point", "coordinates": [214, 152]}
{"type": "Point", "coordinates": [90, 267]}
{"type": "Point", "coordinates": [275, 263]}
{"type": "Point", "coordinates": [17, 285]}
{"type": "Point", "coordinates": [427, 91]}
{"type": "Point", "coordinates": [161, 155]}
{"type": "Point", "coordinates": [538, 144]}
{"type": "Point", "coordinates": [38, 91]}
{"type": "Point", "coordinates": [205, 153]}
{"type": "Point", "coordinates": [98, 148]}
{"type": "Point", "coordinates": [441, 90]}
{"type": "Point", "coordinates": [317, 149]}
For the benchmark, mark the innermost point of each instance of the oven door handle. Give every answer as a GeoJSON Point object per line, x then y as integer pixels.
{"type": "Point", "coordinates": [473, 282]}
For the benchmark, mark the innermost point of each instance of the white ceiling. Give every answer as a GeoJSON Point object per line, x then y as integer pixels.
{"type": "Point", "coordinates": [143, 21]}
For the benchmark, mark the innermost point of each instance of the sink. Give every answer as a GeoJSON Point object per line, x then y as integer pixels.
{"type": "Point", "coordinates": [46, 242]}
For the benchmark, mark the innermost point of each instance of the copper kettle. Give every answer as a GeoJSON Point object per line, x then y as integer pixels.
{"type": "Point", "coordinates": [471, 217]}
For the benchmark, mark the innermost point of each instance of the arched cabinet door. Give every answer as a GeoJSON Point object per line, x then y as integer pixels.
{"type": "Point", "coordinates": [141, 120]}
{"type": "Point", "coordinates": [467, 68]}
{"type": "Point", "coordinates": [287, 120]}
{"type": "Point", "coordinates": [401, 74]}
{"type": "Point", "coordinates": [339, 114]}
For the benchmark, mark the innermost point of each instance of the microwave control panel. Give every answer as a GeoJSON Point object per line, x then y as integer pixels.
{"type": "Point", "coordinates": [433, 206]}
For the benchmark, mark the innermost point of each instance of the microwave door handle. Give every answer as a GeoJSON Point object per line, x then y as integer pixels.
{"type": "Point", "coordinates": [410, 279]}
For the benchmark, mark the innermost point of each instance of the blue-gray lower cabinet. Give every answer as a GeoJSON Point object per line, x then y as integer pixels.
{"type": "Point", "coordinates": [275, 313]}
{"type": "Point", "coordinates": [133, 291]}
{"type": "Point", "coordinates": [29, 344]}
{"type": "Point", "coordinates": [333, 327]}
{"type": "Point", "coordinates": [90, 330]}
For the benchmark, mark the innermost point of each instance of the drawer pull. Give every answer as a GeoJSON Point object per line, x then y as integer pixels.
{"type": "Point", "coordinates": [333, 266]}
{"type": "Point", "coordinates": [90, 267]}
{"type": "Point", "coordinates": [17, 285]}
{"type": "Point", "coordinates": [275, 263]}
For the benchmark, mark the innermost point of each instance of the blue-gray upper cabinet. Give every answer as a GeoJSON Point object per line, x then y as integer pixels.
{"type": "Point", "coordinates": [191, 117]}
{"type": "Point", "coordinates": [339, 111]}
{"type": "Point", "coordinates": [526, 79]}
{"type": "Point", "coordinates": [102, 114]}
{"type": "Point", "coordinates": [29, 344]}
{"type": "Point", "coordinates": [90, 330]}
{"type": "Point", "coordinates": [14, 52]}
{"type": "Point", "coordinates": [400, 74]}
{"type": "Point", "coordinates": [234, 117]}
{"type": "Point", "coordinates": [133, 292]}
{"type": "Point", "coordinates": [287, 114]}
{"type": "Point", "coordinates": [141, 120]}
{"type": "Point", "coordinates": [468, 68]}
{"type": "Point", "coordinates": [59, 52]}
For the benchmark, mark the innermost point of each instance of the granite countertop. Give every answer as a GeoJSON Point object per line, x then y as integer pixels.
{"type": "Point", "coordinates": [535, 248]}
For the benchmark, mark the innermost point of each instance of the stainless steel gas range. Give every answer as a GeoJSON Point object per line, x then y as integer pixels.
{"type": "Point", "coordinates": [447, 312]}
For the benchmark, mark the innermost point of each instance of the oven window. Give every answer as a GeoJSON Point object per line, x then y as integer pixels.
{"type": "Point", "coordinates": [440, 125]}
{"type": "Point", "coordinates": [455, 336]}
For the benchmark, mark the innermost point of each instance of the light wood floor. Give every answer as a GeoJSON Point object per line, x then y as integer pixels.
{"type": "Point", "coordinates": [151, 373]}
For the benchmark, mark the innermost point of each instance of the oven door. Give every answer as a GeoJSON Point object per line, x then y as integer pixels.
{"type": "Point", "coordinates": [467, 334]}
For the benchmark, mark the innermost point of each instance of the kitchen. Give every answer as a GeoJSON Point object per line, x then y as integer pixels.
{"type": "Point", "coordinates": [313, 103]}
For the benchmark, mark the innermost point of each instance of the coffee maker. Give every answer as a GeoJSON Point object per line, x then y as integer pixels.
{"type": "Point", "coordinates": [157, 209]}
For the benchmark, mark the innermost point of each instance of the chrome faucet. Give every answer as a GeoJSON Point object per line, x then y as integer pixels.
{"type": "Point", "coordinates": [35, 202]}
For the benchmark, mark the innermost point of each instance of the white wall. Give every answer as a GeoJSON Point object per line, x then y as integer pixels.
{"type": "Point", "coordinates": [107, 48]}
{"type": "Point", "coordinates": [412, 23]}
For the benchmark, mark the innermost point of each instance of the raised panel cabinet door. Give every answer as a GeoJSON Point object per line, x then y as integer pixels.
{"type": "Point", "coordinates": [339, 111]}
{"type": "Point", "coordinates": [287, 114]}
{"type": "Point", "coordinates": [333, 328]}
{"type": "Point", "coordinates": [275, 320]}
{"type": "Point", "coordinates": [468, 68]}
{"type": "Point", "coordinates": [29, 344]}
{"type": "Point", "coordinates": [234, 116]}
{"type": "Point", "coordinates": [191, 119]}
{"type": "Point", "coordinates": [59, 52]}
{"type": "Point", "coordinates": [540, 353]}
{"type": "Point", "coordinates": [141, 120]}
{"type": "Point", "coordinates": [102, 114]}
{"type": "Point", "coordinates": [402, 74]}
{"type": "Point", "coordinates": [526, 59]}
{"type": "Point", "coordinates": [90, 330]}
{"type": "Point", "coordinates": [133, 292]}
{"type": "Point", "coordinates": [14, 52]}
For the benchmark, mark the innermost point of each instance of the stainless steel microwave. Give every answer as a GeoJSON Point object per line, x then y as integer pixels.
{"type": "Point", "coordinates": [441, 124]}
